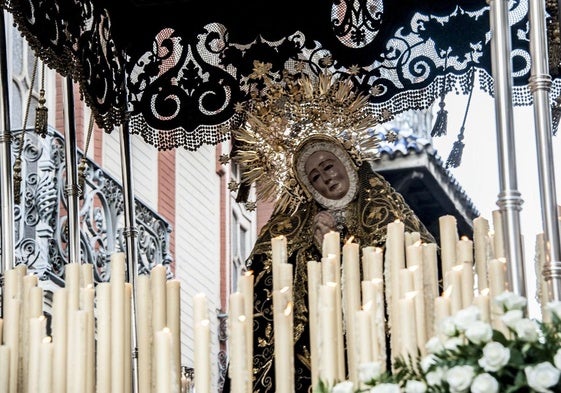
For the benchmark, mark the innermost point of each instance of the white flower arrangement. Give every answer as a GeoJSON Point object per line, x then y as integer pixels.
{"type": "Point", "coordinates": [469, 356]}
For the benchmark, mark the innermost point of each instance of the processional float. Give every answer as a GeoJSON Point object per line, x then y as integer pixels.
{"type": "Point", "coordinates": [509, 198]}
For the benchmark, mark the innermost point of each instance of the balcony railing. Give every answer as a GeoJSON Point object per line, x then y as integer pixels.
{"type": "Point", "coordinates": [41, 216]}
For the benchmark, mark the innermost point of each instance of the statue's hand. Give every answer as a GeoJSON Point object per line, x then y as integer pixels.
{"type": "Point", "coordinates": [322, 224]}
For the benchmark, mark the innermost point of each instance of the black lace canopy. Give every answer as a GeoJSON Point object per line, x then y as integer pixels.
{"type": "Point", "coordinates": [178, 68]}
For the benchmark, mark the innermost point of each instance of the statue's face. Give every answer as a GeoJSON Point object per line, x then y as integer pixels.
{"type": "Point", "coordinates": [327, 174]}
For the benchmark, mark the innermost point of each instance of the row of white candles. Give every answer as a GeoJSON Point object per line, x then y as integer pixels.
{"type": "Point", "coordinates": [339, 299]}
{"type": "Point", "coordinates": [89, 349]}
{"type": "Point", "coordinates": [93, 344]}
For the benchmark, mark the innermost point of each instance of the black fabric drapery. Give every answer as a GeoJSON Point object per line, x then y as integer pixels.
{"type": "Point", "coordinates": [179, 68]}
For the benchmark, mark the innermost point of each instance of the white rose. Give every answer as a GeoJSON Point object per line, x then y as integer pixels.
{"type": "Point", "coordinates": [459, 378]}
{"type": "Point", "coordinates": [413, 386]}
{"type": "Point", "coordinates": [526, 330]}
{"type": "Point", "coordinates": [484, 383]}
{"type": "Point", "coordinates": [557, 359]}
{"type": "Point", "coordinates": [369, 371]}
{"type": "Point", "coordinates": [464, 318]}
{"type": "Point", "coordinates": [434, 345]}
{"type": "Point", "coordinates": [515, 302]}
{"type": "Point", "coordinates": [453, 343]}
{"type": "Point", "coordinates": [435, 377]}
{"type": "Point", "coordinates": [542, 376]}
{"type": "Point", "coordinates": [385, 388]}
{"type": "Point", "coordinates": [554, 307]}
{"type": "Point", "coordinates": [427, 361]}
{"type": "Point", "coordinates": [479, 332]}
{"type": "Point", "coordinates": [511, 317]}
{"type": "Point", "coordinates": [510, 301]}
{"type": "Point", "coordinates": [448, 327]}
{"type": "Point", "coordinates": [343, 387]}
{"type": "Point", "coordinates": [495, 356]}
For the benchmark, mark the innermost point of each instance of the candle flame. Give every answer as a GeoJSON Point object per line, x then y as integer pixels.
{"type": "Point", "coordinates": [331, 284]}
{"type": "Point", "coordinates": [350, 240]}
{"type": "Point", "coordinates": [484, 292]}
{"type": "Point", "coordinates": [411, 294]}
{"type": "Point", "coordinates": [447, 292]}
{"type": "Point", "coordinates": [464, 238]}
{"type": "Point", "coordinates": [206, 322]}
{"type": "Point", "coordinates": [47, 339]}
{"type": "Point", "coordinates": [248, 273]}
{"type": "Point", "coordinates": [288, 309]}
{"type": "Point", "coordinates": [242, 318]}
{"type": "Point", "coordinates": [284, 289]}
{"type": "Point", "coordinates": [367, 306]}
{"type": "Point", "coordinates": [458, 268]}
{"type": "Point", "coordinates": [378, 250]}
{"type": "Point", "coordinates": [413, 269]}
{"type": "Point", "coordinates": [417, 243]}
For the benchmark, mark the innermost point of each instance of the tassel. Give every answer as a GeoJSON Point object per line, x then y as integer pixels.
{"type": "Point", "coordinates": [82, 176]}
{"type": "Point", "coordinates": [441, 123]}
{"type": "Point", "coordinates": [455, 158]}
{"type": "Point", "coordinates": [556, 115]}
{"type": "Point", "coordinates": [41, 115]}
{"type": "Point", "coordinates": [17, 181]}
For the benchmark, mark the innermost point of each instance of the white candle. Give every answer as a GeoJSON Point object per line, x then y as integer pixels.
{"type": "Point", "coordinates": [467, 283]}
{"type": "Point", "coordinates": [200, 307]}
{"type": "Point", "coordinates": [372, 263]}
{"type": "Point", "coordinates": [86, 275]}
{"type": "Point", "coordinates": [497, 280]}
{"type": "Point", "coordinates": [442, 310]}
{"type": "Point", "coordinates": [414, 255]}
{"type": "Point", "coordinates": [202, 356]}
{"type": "Point", "coordinates": [482, 302]}
{"type": "Point", "coordinates": [162, 349]}
{"type": "Point", "coordinates": [331, 245]}
{"type": "Point", "coordinates": [173, 315]}
{"type": "Point", "coordinates": [394, 262]}
{"type": "Point", "coordinates": [284, 343]}
{"type": "Point", "coordinates": [431, 287]}
{"type": "Point", "coordinates": [37, 331]}
{"type": "Point", "coordinates": [31, 308]}
{"type": "Point", "coordinates": [363, 327]}
{"type": "Point", "coordinates": [408, 323]}
{"type": "Point", "coordinates": [448, 238]}
{"type": "Point", "coordinates": [127, 365]}
{"type": "Point", "coordinates": [117, 280]}
{"type": "Point", "coordinates": [464, 250]}
{"type": "Point", "coordinates": [245, 284]}
{"type": "Point", "coordinates": [144, 328]}
{"type": "Point", "coordinates": [238, 377]}
{"type": "Point", "coordinates": [158, 283]}
{"type": "Point", "coordinates": [455, 280]}
{"type": "Point", "coordinates": [405, 282]}
{"type": "Point", "coordinates": [314, 281]}
{"type": "Point", "coordinates": [328, 344]}
{"type": "Point", "coordinates": [286, 276]}
{"type": "Point", "coordinates": [60, 325]}
{"type": "Point", "coordinates": [418, 288]}
{"type": "Point", "coordinates": [87, 301]}
{"type": "Point", "coordinates": [80, 348]}
{"type": "Point", "coordinates": [4, 367]}
{"type": "Point", "coordinates": [103, 347]}
{"type": "Point", "coordinates": [351, 295]}
{"type": "Point", "coordinates": [278, 252]}
{"type": "Point", "coordinates": [45, 366]}
{"type": "Point", "coordinates": [331, 274]}
{"type": "Point", "coordinates": [498, 238]}
{"type": "Point", "coordinates": [481, 250]}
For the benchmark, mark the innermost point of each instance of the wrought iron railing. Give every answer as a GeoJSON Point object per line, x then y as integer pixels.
{"type": "Point", "coordinates": [41, 216]}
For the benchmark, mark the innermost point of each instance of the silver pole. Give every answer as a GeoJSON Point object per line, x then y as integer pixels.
{"type": "Point", "coordinates": [72, 190]}
{"type": "Point", "coordinates": [540, 83]}
{"type": "Point", "coordinates": [510, 201]}
{"type": "Point", "coordinates": [130, 233]}
{"type": "Point", "coordinates": [6, 186]}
